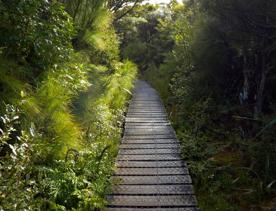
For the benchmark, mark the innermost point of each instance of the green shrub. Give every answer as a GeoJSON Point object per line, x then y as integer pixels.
{"type": "Point", "coordinates": [38, 33]}
{"type": "Point", "coordinates": [71, 104]}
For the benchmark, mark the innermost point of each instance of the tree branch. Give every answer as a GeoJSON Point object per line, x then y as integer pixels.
{"type": "Point", "coordinates": [128, 11]}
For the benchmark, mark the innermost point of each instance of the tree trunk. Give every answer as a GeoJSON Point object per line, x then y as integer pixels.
{"type": "Point", "coordinates": [260, 91]}
{"type": "Point", "coordinates": [244, 94]}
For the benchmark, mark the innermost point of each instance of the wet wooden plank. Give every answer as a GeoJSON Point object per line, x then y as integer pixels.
{"type": "Point", "coordinates": [149, 136]}
{"type": "Point", "coordinates": [150, 146]}
{"type": "Point", "coordinates": [151, 164]}
{"type": "Point", "coordinates": [149, 151]}
{"type": "Point", "coordinates": [153, 201]}
{"type": "Point", "coordinates": [151, 171]}
{"type": "Point", "coordinates": [152, 189]}
{"type": "Point", "coordinates": [151, 157]}
{"type": "Point", "coordinates": [153, 180]}
{"type": "Point", "coordinates": [127, 140]}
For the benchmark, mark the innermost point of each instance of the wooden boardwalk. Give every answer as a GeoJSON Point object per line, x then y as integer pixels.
{"type": "Point", "coordinates": [150, 174]}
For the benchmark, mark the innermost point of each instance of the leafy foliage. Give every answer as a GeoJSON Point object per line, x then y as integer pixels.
{"type": "Point", "coordinates": [35, 32]}
{"type": "Point", "coordinates": [60, 131]}
{"type": "Point", "coordinates": [17, 188]}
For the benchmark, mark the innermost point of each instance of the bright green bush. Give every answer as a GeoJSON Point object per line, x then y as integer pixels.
{"type": "Point", "coordinates": [102, 40]}
{"type": "Point", "coordinates": [17, 186]}
{"type": "Point", "coordinates": [70, 103]}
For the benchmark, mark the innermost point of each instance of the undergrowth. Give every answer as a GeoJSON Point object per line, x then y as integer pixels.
{"type": "Point", "coordinates": [228, 144]}
{"type": "Point", "coordinates": [62, 106]}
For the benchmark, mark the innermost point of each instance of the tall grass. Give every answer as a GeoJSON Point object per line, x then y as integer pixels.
{"type": "Point", "coordinates": [61, 139]}
{"type": "Point", "coordinates": [75, 120]}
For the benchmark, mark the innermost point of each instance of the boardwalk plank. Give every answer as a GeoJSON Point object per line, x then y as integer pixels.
{"type": "Point", "coordinates": [151, 171]}
{"type": "Point", "coordinates": [153, 180]}
{"type": "Point", "coordinates": [150, 146]}
{"type": "Point", "coordinates": [154, 209]}
{"type": "Point", "coordinates": [149, 157]}
{"type": "Point", "coordinates": [148, 151]}
{"type": "Point", "coordinates": [152, 189]}
{"type": "Point", "coordinates": [149, 141]}
{"type": "Point", "coordinates": [150, 164]}
{"type": "Point", "coordinates": [153, 201]}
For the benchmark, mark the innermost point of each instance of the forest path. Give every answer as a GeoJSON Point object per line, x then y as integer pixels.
{"type": "Point", "coordinates": [150, 173]}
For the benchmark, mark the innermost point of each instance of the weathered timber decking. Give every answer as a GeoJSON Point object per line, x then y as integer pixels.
{"type": "Point", "coordinates": [150, 173]}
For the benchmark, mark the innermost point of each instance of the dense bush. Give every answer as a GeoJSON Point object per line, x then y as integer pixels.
{"type": "Point", "coordinates": [37, 33]}
{"type": "Point", "coordinates": [62, 108]}
{"type": "Point", "coordinates": [214, 82]}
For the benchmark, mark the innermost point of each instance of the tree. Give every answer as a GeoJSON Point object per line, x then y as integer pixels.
{"type": "Point", "coordinates": [122, 7]}
{"type": "Point", "coordinates": [84, 12]}
{"type": "Point", "coordinates": [248, 27]}
{"type": "Point", "coordinates": [37, 33]}
{"type": "Point", "coordinates": [142, 30]}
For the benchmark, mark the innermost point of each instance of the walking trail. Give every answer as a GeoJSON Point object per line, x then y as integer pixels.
{"type": "Point", "coordinates": [150, 173]}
